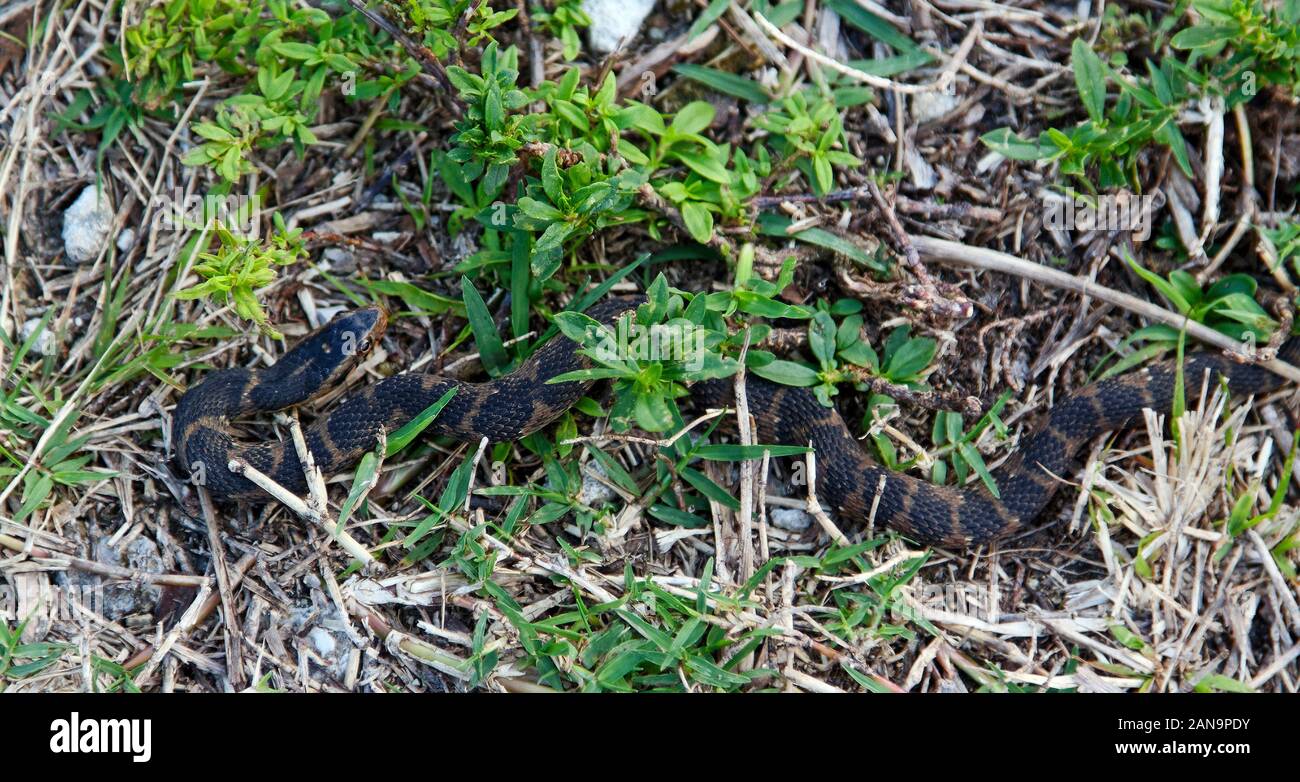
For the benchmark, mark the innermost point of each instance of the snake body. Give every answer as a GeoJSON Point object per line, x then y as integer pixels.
{"type": "Point", "coordinates": [519, 403]}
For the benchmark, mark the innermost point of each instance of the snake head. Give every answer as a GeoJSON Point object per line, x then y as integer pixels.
{"type": "Point", "coordinates": [323, 358]}
{"type": "Point", "coordinates": [351, 336]}
{"type": "Point", "coordinates": [368, 323]}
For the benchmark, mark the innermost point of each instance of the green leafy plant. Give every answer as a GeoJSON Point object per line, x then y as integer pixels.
{"type": "Point", "coordinates": [1228, 306]}
{"type": "Point", "coordinates": [1286, 241]}
{"type": "Point", "coordinates": [1121, 26]}
{"type": "Point", "coordinates": [427, 533]}
{"type": "Point", "coordinates": [577, 114]}
{"type": "Point", "coordinates": [902, 362]}
{"type": "Point", "coordinates": [807, 132]}
{"type": "Point", "coordinates": [1144, 112]}
{"type": "Point", "coordinates": [649, 639]}
{"type": "Point", "coordinates": [61, 464]}
{"type": "Point", "coordinates": [708, 187]}
{"type": "Point", "coordinates": [325, 47]}
{"type": "Point", "coordinates": [1263, 40]}
{"type": "Point", "coordinates": [491, 132]}
{"type": "Point", "coordinates": [839, 350]}
{"type": "Point", "coordinates": [241, 265]}
{"type": "Point", "coordinates": [436, 21]}
{"type": "Point", "coordinates": [19, 660]}
{"type": "Point", "coordinates": [563, 19]}
{"type": "Point", "coordinates": [910, 54]}
{"type": "Point", "coordinates": [164, 49]}
{"type": "Point", "coordinates": [955, 447]}
{"type": "Point", "coordinates": [568, 204]}
{"type": "Point", "coordinates": [284, 56]}
{"type": "Point", "coordinates": [879, 261]}
{"type": "Point", "coordinates": [561, 495]}
{"type": "Point", "coordinates": [117, 112]}
{"type": "Point", "coordinates": [681, 141]}
{"type": "Point", "coordinates": [704, 202]}
{"type": "Point", "coordinates": [646, 385]}
{"type": "Point", "coordinates": [290, 77]}
{"type": "Point", "coordinates": [842, 356]}
{"type": "Point", "coordinates": [724, 82]}
{"type": "Point", "coordinates": [231, 138]}
{"type": "Point", "coordinates": [752, 295]}
{"type": "Point", "coordinates": [873, 613]}
{"type": "Point", "coordinates": [1240, 519]}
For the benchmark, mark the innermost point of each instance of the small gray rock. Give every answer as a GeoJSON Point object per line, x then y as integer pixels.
{"type": "Point", "coordinates": [331, 644]}
{"type": "Point", "coordinates": [594, 492]}
{"type": "Point", "coordinates": [86, 224]}
{"type": "Point", "coordinates": [927, 106]}
{"type": "Point", "coordinates": [790, 519]}
{"type": "Point", "coordinates": [45, 343]}
{"type": "Point", "coordinates": [612, 21]}
{"type": "Point", "coordinates": [124, 598]}
{"type": "Point", "coordinates": [322, 641]}
{"type": "Point", "coordinates": [340, 260]}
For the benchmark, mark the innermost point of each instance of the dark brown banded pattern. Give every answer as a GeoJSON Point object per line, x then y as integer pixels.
{"type": "Point", "coordinates": [505, 409]}
{"type": "Point", "coordinates": [522, 402]}
{"type": "Point", "coordinates": [848, 480]}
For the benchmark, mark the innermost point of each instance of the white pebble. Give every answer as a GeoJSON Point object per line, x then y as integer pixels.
{"type": "Point", "coordinates": [612, 21]}
{"type": "Point", "coordinates": [928, 106]}
{"type": "Point", "coordinates": [594, 492]}
{"type": "Point", "coordinates": [44, 345]}
{"type": "Point", "coordinates": [322, 641]}
{"type": "Point", "coordinates": [790, 519]}
{"type": "Point", "coordinates": [337, 256]}
{"type": "Point", "coordinates": [86, 224]}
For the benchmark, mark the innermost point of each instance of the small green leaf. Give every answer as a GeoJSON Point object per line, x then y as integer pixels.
{"type": "Point", "coordinates": [491, 351]}
{"type": "Point", "coordinates": [707, 166]}
{"type": "Point", "coordinates": [972, 457]}
{"type": "Point", "coordinates": [788, 373]}
{"type": "Point", "coordinates": [692, 118]}
{"type": "Point", "coordinates": [409, 431]}
{"type": "Point", "coordinates": [727, 452]}
{"type": "Point", "coordinates": [1090, 78]}
{"type": "Point", "coordinates": [33, 496]}
{"type": "Point", "coordinates": [711, 14]}
{"type": "Point", "coordinates": [1009, 145]}
{"type": "Point", "coordinates": [364, 480]}
{"type": "Point", "coordinates": [910, 359]}
{"type": "Point", "coordinates": [724, 81]}
{"type": "Point", "coordinates": [1217, 681]}
{"type": "Point", "coordinates": [699, 221]}
{"type": "Point", "coordinates": [551, 181]}
{"type": "Point", "coordinates": [1204, 36]}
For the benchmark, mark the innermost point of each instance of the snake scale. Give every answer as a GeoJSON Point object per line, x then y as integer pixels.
{"type": "Point", "coordinates": [521, 402]}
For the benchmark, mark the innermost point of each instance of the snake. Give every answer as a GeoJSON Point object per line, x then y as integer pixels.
{"type": "Point", "coordinates": [521, 402]}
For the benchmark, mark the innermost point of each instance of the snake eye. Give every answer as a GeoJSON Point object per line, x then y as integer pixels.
{"type": "Point", "coordinates": [366, 345]}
